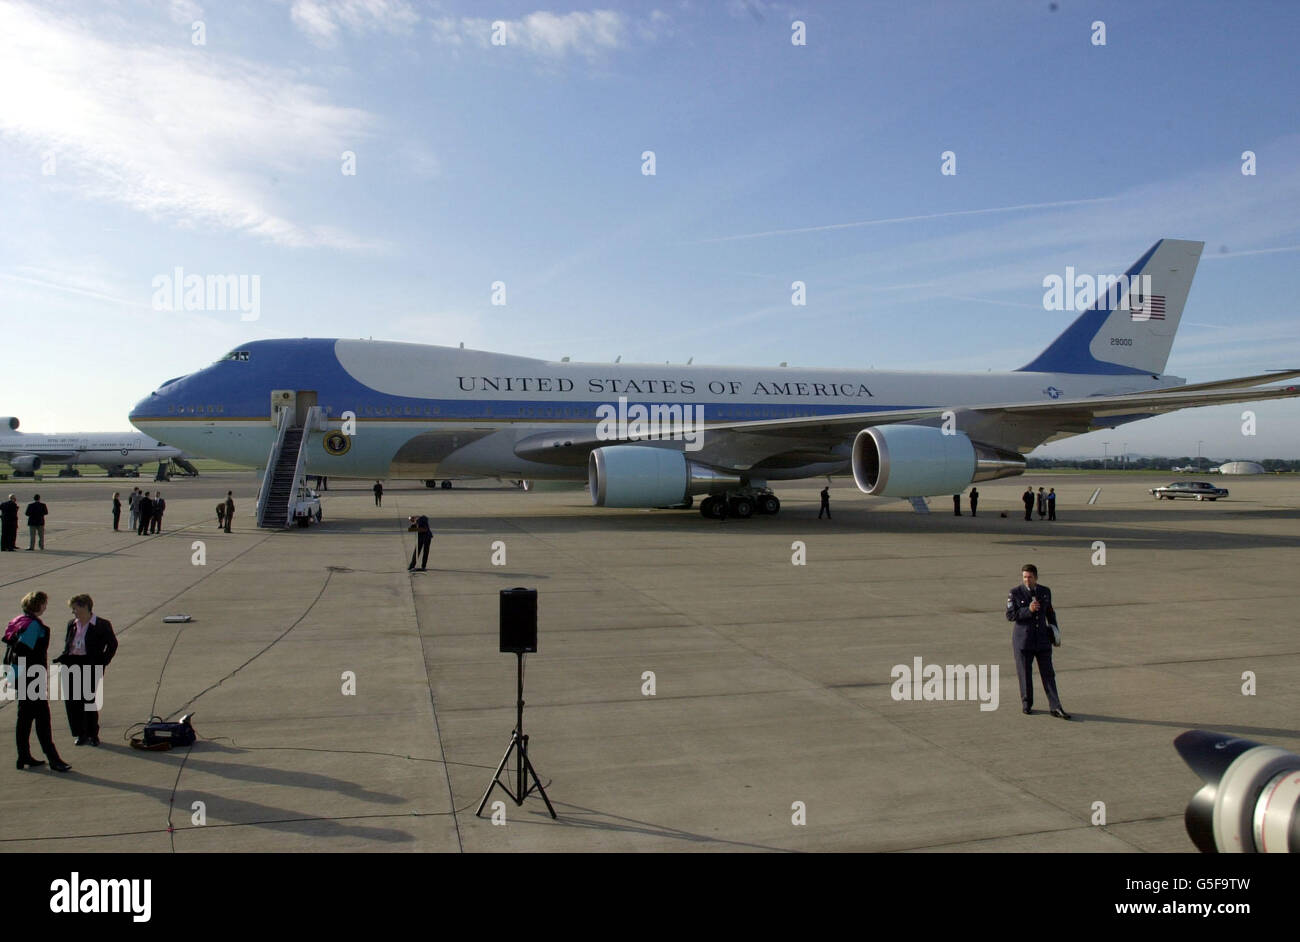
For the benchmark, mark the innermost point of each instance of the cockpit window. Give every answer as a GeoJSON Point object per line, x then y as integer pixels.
{"type": "Point", "coordinates": [241, 355]}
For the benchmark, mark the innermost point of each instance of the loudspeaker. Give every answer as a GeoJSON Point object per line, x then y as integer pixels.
{"type": "Point", "coordinates": [519, 621]}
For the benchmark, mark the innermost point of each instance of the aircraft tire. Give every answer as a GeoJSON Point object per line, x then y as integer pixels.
{"type": "Point", "coordinates": [742, 507]}
{"type": "Point", "coordinates": [707, 507]}
{"type": "Point", "coordinates": [769, 504]}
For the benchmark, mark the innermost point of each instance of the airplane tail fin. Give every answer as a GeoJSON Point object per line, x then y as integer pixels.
{"type": "Point", "coordinates": [1131, 327]}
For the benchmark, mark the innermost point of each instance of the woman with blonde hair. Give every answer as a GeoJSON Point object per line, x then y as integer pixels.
{"type": "Point", "coordinates": [29, 645]}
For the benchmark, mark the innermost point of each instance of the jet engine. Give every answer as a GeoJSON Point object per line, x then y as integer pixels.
{"type": "Point", "coordinates": [25, 464]}
{"type": "Point", "coordinates": [644, 476]}
{"type": "Point", "coordinates": [9, 422]}
{"type": "Point", "coordinates": [920, 461]}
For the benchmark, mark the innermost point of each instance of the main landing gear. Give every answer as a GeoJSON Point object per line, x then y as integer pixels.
{"type": "Point", "coordinates": [743, 503]}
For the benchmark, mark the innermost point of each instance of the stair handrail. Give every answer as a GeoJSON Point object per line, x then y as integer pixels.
{"type": "Point", "coordinates": [299, 475]}
{"type": "Point", "coordinates": [264, 492]}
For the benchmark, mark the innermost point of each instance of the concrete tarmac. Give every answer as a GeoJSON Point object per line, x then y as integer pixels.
{"type": "Point", "coordinates": [697, 687]}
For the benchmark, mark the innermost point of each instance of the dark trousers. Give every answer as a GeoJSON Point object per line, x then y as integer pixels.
{"type": "Point", "coordinates": [1029, 510]}
{"type": "Point", "coordinates": [826, 509]}
{"type": "Point", "coordinates": [81, 721]}
{"type": "Point", "coordinates": [1051, 510]}
{"type": "Point", "coordinates": [974, 502]}
{"type": "Point", "coordinates": [117, 518]}
{"type": "Point", "coordinates": [1025, 671]}
{"type": "Point", "coordinates": [155, 523]}
{"type": "Point", "coordinates": [143, 528]}
{"type": "Point", "coordinates": [9, 536]}
{"type": "Point", "coordinates": [422, 543]}
{"type": "Point", "coordinates": [379, 500]}
{"type": "Point", "coordinates": [38, 712]}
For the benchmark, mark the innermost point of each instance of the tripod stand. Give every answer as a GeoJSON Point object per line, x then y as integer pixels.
{"type": "Point", "coordinates": [526, 779]}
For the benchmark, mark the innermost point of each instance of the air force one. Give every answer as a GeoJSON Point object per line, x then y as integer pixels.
{"type": "Point", "coordinates": [356, 408]}
{"type": "Point", "coordinates": [116, 452]}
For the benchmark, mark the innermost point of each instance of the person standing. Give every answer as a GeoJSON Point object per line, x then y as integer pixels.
{"type": "Point", "coordinates": [1029, 605]}
{"type": "Point", "coordinates": [9, 525]}
{"type": "Point", "coordinates": [1028, 498]}
{"type": "Point", "coordinates": [423, 540]}
{"type": "Point", "coordinates": [1042, 504]}
{"type": "Point", "coordinates": [133, 508]}
{"type": "Point", "coordinates": [974, 499]}
{"type": "Point", "coordinates": [826, 503]}
{"type": "Point", "coordinates": [146, 514]}
{"type": "Point", "coordinates": [36, 514]}
{"type": "Point", "coordinates": [230, 509]}
{"type": "Point", "coordinates": [1051, 504]}
{"type": "Point", "coordinates": [379, 494]}
{"type": "Point", "coordinates": [221, 515]}
{"type": "Point", "coordinates": [89, 642]}
{"type": "Point", "coordinates": [956, 504]}
{"type": "Point", "coordinates": [117, 509]}
{"type": "Point", "coordinates": [159, 505]}
{"type": "Point", "coordinates": [31, 645]}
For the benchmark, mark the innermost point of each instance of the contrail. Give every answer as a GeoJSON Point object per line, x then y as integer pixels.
{"type": "Point", "coordinates": [882, 222]}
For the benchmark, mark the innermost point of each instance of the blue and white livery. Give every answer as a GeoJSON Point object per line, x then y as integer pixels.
{"type": "Point", "coordinates": [372, 409]}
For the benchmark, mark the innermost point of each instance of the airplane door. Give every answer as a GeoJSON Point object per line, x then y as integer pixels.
{"type": "Point", "coordinates": [305, 399]}
{"type": "Point", "coordinates": [282, 400]}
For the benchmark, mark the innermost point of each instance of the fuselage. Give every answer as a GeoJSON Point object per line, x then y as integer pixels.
{"type": "Point", "coordinates": [107, 449]}
{"type": "Point", "coordinates": [428, 411]}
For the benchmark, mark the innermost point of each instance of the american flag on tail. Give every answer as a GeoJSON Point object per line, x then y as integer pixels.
{"type": "Point", "coordinates": [1150, 308]}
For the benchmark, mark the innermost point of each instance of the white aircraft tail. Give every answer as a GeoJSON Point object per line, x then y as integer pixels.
{"type": "Point", "coordinates": [1130, 328]}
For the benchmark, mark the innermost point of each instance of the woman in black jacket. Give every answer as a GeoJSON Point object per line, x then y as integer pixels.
{"type": "Point", "coordinates": [32, 644]}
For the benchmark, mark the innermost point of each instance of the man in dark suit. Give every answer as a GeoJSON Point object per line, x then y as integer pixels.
{"type": "Point", "coordinates": [9, 525]}
{"type": "Point", "coordinates": [1029, 605]}
{"type": "Point", "coordinates": [379, 494]}
{"type": "Point", "coordinates": [155, 520]}
{"type": "Point", "coordinates": [826, 503]}
{"type": "Point", "coordinates": [88, 648]}
{"type": "Point", "coordinates": [146, 514]}
{"type": "Point", "coordinates": [1028, 498]}
{"type": "Point", "coordinates": [230, 509]}
{"type": "Point", "coordinates": [423, 540]}
{"type": "Point", "coordinates": [974, 499]}
{"type": "Point", "coordinates": [36, 514]}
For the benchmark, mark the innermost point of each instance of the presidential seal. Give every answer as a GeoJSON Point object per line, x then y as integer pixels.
{"type": "Point", "coordinates": [336, 443]}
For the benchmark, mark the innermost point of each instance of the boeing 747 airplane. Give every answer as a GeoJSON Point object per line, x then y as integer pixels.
{"type": "Point", "coordinates": [118, 452]}
{"type": "Point", "coordinates": [655, 436]}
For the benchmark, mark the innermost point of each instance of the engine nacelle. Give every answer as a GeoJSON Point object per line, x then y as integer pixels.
{"type": "Point", "coordinates": [25, 464]}
{"type": "Point", "coordinates": [9, 422]}
{"type": "Point", "coordinates": [643, 476]}
{"type": "Point", "coordinates": [921, 461]}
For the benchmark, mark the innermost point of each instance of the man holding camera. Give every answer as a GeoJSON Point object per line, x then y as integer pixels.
{"type": "Point", "coordinates": [1029, 605]}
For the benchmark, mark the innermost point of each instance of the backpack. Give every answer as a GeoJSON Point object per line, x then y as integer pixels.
{"type": "Point", "coordinates": [15, 628]}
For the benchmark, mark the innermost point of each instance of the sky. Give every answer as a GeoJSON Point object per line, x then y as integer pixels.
{"type": "Point", "coordinates": [379, 165]}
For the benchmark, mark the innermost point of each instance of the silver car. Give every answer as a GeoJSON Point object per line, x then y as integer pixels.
{"type": "Point", "coordinates": [1201, 490]}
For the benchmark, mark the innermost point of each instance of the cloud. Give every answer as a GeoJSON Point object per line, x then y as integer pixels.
{"type": "Point", "coordinates": [551, 36]}
{"type": "Point", "coordinates": [321, 20]}
{"type": "Point", "coordinates": [169, 130]}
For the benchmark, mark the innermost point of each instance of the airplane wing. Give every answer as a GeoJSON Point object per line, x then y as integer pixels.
{"type": "Point", "coordinates": [55, 457]}
{"type": "Point", "coordinates": [771, 444]}
{"type": "Point", "coordinates": [1021, 426]}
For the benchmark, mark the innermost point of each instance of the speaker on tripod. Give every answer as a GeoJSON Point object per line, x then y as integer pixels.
{"type": "Point", "coordinates": [518, 637]}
